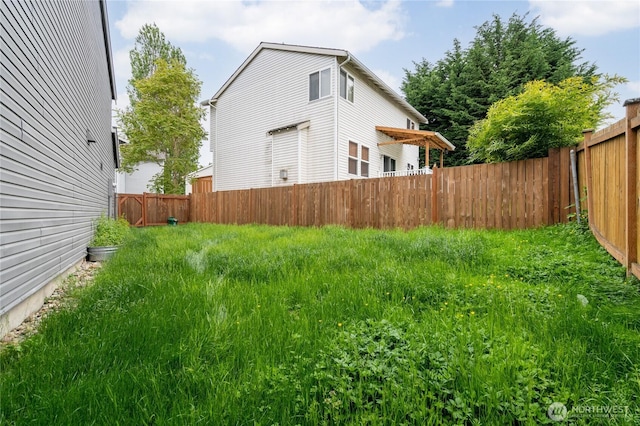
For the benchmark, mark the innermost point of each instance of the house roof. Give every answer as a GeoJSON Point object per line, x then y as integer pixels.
{"type": "Point", "coordinates": [415, 137]}
{"type": "Point", "coordinates": [338, 53]}
{"type": "Point", "coordinates": [115, 142]}
{"type": "Point", "coordinates": [107, 46]}
{"type": "Point", "coordinates": [202, 171]}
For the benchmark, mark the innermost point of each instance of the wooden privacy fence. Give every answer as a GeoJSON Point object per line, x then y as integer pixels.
{"type": "Point", "coordinates": [153, 209]}
{"type": "Point", "coordinates": [515, 195]}
{"type": "Point", "coordinates": [512, 195]}
{"type": "Point", "coordinates": [202, 184]}
{"type": "Point", "coordinates": [609, 172]}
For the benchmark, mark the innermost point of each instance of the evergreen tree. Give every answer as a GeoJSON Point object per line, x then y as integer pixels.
{"type": "Point", "coordinates": [459, 89]}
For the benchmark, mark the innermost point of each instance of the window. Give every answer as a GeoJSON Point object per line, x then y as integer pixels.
{"type": "Point", "coordinates": [320, 84]}
{"type": "Point", "coordinates": [353, 158]}
{"type": "Point", "coordinates": [364, 162]}
{"type": "Point", "coordinates": [389, 164]}
{"type": "Point", "coordinates": [346, 86]}
{"type": "Point", "coordinates": [410, 124]}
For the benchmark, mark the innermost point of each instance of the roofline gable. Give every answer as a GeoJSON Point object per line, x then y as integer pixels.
{"type": "Point", "coordinates": [338, 53]}
{"type": "Point", "coordinates": [384, 87]}
{"type": "Point", "coordinates": [107, 45]}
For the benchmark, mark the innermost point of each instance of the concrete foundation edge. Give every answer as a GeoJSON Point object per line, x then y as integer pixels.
{"type": "Point", "coordinates": [31, 305]}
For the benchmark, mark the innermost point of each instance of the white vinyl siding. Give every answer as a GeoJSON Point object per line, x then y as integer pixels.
{"type": "Point", "coordinates": [138, 181]}
{"type": "Point", "coordinates": [357, 121]}
{"type": "Point", "coordinates": [303, 134]}
{"type": "Point", "coordinates": [55, 85]}
{"type": "Point", "coordinates": [285, 157]}
{"type": "Point", "coordinates": [271, 92]}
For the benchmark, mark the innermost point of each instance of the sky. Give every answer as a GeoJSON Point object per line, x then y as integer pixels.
{"type": "Point", "coordinates": [388, 36]}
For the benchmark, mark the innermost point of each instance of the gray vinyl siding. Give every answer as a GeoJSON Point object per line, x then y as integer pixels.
{"type": "Point", "coordinates": [357, 123]}
{"type": "Point", "coordinates": [271, 92]}
{"type": "Point", "coordinates": [55, 85]}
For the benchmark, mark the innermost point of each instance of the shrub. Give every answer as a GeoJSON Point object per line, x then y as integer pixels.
{"type": "Point", "coordinates": [109, 231]}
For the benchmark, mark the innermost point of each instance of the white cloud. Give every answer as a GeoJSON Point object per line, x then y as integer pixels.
{"type": "Point", "coordinates": [633, 87]}
{"type": "Point", "coordinates": [589, 18]}
{"type": "Point", "coordinates": [349, 24]}
{"type": "Point", "coordinates": [445, 3]}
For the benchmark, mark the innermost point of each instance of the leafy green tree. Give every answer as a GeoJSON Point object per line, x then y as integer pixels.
{"type": "Point", "coordinates": [162, 122]}
{"type": "Point", "coordinates": [163, 126]}
{"type": "Point", "coordinates": [150, 46]}
{"type": "Point", "coordinates": [543, 116]}
{"type": "Point", "coordinates": [458, 90]}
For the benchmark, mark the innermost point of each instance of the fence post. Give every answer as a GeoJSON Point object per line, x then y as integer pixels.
{"type": "Point", "coordinates": [589, 173]}
{"type": "Point", "coordinates": [294, 206]}
{"type": "Point", "coordinates": [144, 209]}
{"type": "Point", "coordinates": [553, 187]}
{"type": "Point", "coordinates": [631, 135]}
{"type": "Point", "coordinates": [435, 177]}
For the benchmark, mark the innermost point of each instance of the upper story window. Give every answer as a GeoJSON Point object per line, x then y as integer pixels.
{"type": "Point", "coordinates": [319, 84]}
{"type": "Point", "coordinates": [346, 86]}
{"type": "Point", "coordinates": [410, 124]}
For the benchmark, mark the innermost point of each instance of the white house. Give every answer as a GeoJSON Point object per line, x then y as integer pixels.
{"type": "Point", "coordinates": [139, 180]}
{"type": "Point", "coordinates": [297, 114]}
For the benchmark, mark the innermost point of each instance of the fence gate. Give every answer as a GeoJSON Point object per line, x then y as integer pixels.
{"type": "Point", "coordinates": [131, 206]}
{"type": "Point", "coordinates": [153, 209]}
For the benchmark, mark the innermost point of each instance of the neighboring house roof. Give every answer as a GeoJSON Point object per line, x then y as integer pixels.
{"type": "Point", "coordinates": [203, 171]}
{"type": "Point", "coordinates": [339, 53]}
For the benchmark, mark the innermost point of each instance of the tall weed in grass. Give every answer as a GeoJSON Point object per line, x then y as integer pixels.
{"type": "Point", "coordinates": [271, 325]}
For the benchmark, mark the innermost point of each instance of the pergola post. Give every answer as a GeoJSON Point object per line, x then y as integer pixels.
{"type": "Point", "coordinates": [426, 154]}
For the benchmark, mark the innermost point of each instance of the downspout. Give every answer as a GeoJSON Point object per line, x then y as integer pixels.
{"type": "Point", "coordinates": [335, 116]}
{"type": "Point", "coordinates": [299, 154]}
{"type": "Point", "coordinates": [273, 176]}
{"type": "Point", "coordinates": [214, 172]}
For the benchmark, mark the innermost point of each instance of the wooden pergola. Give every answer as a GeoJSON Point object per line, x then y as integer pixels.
{"type": "Point", "coordinates": [423, 138]}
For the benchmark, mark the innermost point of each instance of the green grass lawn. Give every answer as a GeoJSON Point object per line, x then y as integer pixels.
{"type": "Point", "coordinates": [249, 325]}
